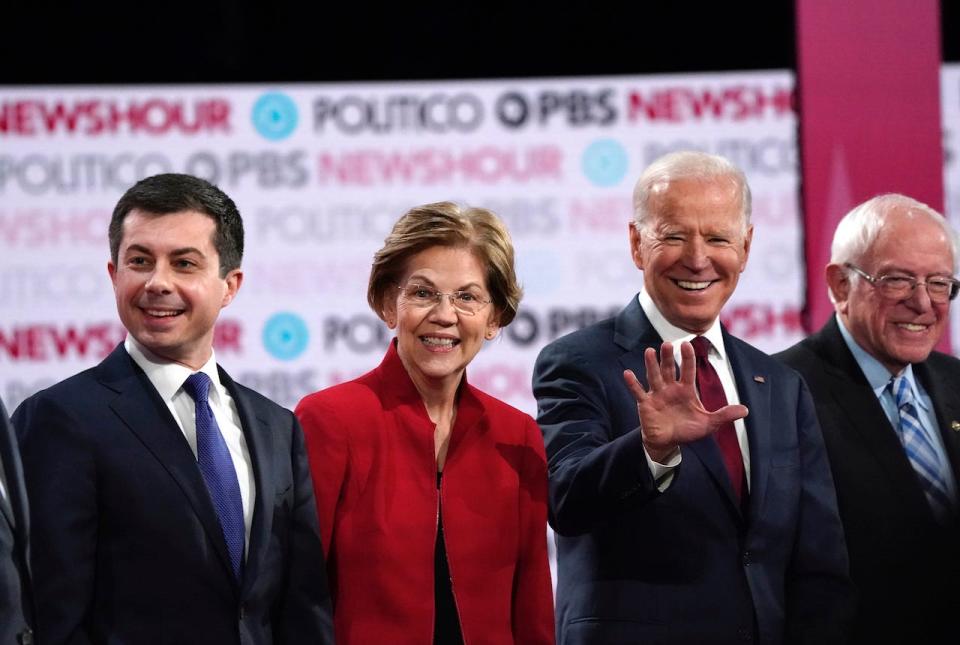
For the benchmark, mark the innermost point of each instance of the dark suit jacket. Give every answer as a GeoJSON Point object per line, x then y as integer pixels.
{"type": "Point", "coordinates": [905, 565]}
{"type": "Point", "coordinates": [127, 546]}
{"type": "Point", "coordinates": [686, 565]}
{"type": "Point", "coordinates": [16, 600]}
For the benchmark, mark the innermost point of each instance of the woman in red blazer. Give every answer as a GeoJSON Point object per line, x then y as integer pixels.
{"type": "Point", "coordinates": [432, 494]}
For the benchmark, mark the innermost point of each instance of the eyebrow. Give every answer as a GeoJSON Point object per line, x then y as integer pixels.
{"type": "Point", "coordinates": [427, 282]}
{"type": "Point", "coordinates": [139, 248]}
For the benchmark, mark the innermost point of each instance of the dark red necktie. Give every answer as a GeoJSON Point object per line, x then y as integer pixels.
{"type": "Point", "coordinates": [713, 398]}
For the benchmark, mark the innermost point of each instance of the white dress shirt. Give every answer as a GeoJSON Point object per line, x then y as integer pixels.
{"type": "Point", "coordinates": [663, 472]}
{"type": "Point", "coordinates": [168, 379]}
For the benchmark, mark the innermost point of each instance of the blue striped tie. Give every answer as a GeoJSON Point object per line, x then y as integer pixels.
{"type": "Point", "coordinates": [920, 450]}
{"type": "Point", "coordinates": [217, 469]}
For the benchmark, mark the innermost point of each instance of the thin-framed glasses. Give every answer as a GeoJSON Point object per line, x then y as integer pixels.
{"type": "Point", "coordinates": [418, 295]}
{"type": "Point", "coordinates": [895, 286]}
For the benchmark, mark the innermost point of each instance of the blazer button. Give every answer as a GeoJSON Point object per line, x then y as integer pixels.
{"type": "Point", "coordinates": [747, 559]}
{"type": "Point", "coordinates": [745, 634]}
{"type": "Point", "coordinates": [25, 637]}
{"type": "Point", "coordinates": [243, 610]}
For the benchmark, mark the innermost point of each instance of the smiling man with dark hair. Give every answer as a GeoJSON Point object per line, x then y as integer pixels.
{"type": "Point", "coordinates": [169, 503]}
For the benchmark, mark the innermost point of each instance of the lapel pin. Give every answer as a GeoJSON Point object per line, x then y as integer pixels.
{"type": "Point", "coordinates": [955, 426]}
{"type": "Point", "coordinates": [760, 379]}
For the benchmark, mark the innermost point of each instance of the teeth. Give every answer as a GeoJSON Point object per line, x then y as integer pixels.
{"type": "Point", "coordinates": [438, 342]}
{"type": "Point", "coordinates": [696, 286]}
{"type": "Point", "coordinates": [911, 326]}
{"type": "Point", "coordinates": [161, 314]}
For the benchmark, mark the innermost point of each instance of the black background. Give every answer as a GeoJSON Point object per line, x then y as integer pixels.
{"type": "Point", "coordinates": [209, 41]}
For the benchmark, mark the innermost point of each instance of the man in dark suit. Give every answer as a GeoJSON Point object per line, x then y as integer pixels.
{"type": "Point", "coordinates": [169, 503]}
{"type": "Point", "coordinates": [16, 600]}
{"type": "Point", "coordinates": [889, 407]}
{"type": "Point", "coordinates": [690, 526]}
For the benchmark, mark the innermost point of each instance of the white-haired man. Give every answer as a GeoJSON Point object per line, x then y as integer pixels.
{"type": "Point", "coordinates": [890, 412]}
{"type": "Point", "coordinates": [692, 526]}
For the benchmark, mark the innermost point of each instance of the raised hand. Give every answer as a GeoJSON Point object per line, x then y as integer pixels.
{"type": "Point", "coordinates": [670, 412]}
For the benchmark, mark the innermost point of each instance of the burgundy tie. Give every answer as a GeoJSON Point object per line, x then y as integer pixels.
{"type": "Point", "coordinates": [713, 398]}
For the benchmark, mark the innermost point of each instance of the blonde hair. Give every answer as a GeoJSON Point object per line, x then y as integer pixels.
{"type": "Point", "coordinates": [449, 225]}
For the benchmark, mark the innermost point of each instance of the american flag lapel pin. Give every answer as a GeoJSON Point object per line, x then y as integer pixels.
{"type": "Point", "coordinates": [759, 379]}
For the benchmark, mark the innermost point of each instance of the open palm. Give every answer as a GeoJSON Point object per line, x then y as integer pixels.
{"type": "Point", "coordinates": [670, 411]}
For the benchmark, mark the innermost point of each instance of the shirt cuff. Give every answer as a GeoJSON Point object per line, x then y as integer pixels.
{"type": "Point", "coordinates": [663, 472]}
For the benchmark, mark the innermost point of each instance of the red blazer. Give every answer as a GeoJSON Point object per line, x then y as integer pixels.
{"type": "Point", "coordinates": [371, 453]}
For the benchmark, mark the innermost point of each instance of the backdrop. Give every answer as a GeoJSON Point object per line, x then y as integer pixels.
{"type": "Point", "coordinates": [320, 173]}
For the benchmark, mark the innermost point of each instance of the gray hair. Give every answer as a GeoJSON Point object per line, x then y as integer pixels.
{"type": "Point", "coordinates": [687, 165]}
{"type": "Point", "coordinates": [859, 228]}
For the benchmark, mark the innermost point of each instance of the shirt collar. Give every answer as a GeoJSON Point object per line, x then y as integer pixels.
{"type": "Point", "coordinates": [168, 377]}
{"type": "Point", "coordinates": [877, 375]}
{"type": "Point", "coordinates": [671, 333]}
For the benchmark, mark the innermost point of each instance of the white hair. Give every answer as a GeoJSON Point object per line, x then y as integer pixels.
{"type": "Point", "coordinates": [859, 229]}
{"type": "Point", "coordinates": [687, 165]}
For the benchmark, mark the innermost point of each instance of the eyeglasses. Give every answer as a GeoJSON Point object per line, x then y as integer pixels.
{"type": "Point", "coordinates": [465, 302]}
{"type": "Point", "coordinates": [896, 287]}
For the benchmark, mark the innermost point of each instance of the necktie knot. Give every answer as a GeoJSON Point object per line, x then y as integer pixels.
{"type": "Point", "coordinates": [701, 347]}
{"type": "Point", "coordinates": [900, 388]}
{"type": "Point", "coordinates": [197, 386]}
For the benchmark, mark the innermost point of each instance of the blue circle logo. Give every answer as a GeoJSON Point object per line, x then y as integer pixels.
{"type": "Point", "coordinates": [285, 336]}
{"type": "Point", "coordinates": [275, 116]}
{"type": "Point", "coordinates": [605, 162]}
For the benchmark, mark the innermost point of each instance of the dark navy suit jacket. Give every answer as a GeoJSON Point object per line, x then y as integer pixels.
{"type": "Point", "coordinates": [16, 601]}
{"type": "Point", "coordinates": [127, 545]}
{"type": "Point", "coordinates": [686, 565]}
{"type": "Point", "coordinates": [905, 564]}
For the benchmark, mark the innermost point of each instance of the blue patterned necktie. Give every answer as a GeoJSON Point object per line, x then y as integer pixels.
{"type": "Point", "coordinates": [217, 469]}
{"type": "Point", "coordinates": [921, 451]}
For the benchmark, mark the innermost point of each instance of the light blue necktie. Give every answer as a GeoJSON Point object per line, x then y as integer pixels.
{"type": "Point", "coordinates": [920, 450]}
{"type": "Point", "coordinates": [217, 469]}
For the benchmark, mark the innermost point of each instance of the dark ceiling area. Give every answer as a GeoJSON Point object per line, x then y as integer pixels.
{"type": "Point", "coordinates": [219, 41]}
{"type": "Point", "coordinates": [210, 41]}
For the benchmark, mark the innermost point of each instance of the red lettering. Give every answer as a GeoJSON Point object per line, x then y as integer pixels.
{"type": "Point", "coordinates": [227, 336]}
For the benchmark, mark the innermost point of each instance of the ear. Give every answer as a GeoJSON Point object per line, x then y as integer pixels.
{"type": "Point", "coordinates": [747, 241]}
{"type": "Point", "coordinates": [838, 283]}
{"type": "Point", "coordinates": [636, 252]}
{"type": "Point", "coordinates": [233, 281]}
{"type": "Point", "coordinates": [112, 272]}
{"type": "Point", "coordinates": [493, 327]}
{"type": "Point", "coordinates": [390, 312]}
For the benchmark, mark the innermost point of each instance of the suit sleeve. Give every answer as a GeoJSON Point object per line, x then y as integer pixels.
{"type": "Point", "coordinates": [327, 455]}
{"type": "Point", "coordinates": [532, 591]}
{"type": "Point", "coordinates": [306, 607]}
{"type": "Point", "coordinates": [596, 470]}
{"type": "Point", "coordinates": [819, 594]}
{"type": "Point", "coordinates": [60, 472]}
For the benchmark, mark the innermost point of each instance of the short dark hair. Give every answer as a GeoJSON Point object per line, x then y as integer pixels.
{"type": "Point", "coordinates": [174, 193]}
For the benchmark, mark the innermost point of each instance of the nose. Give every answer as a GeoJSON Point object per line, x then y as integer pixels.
{"type": "Point", "coordinates": [159, 280]}
{"type": "Point", "coordinates": [919, 299]}
{"type": "Point", "coordinates": [695, 254]}
{"type": "Point", "coordinates": [443, 312]}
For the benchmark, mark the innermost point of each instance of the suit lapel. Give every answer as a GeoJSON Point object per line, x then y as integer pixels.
{"type": "Point", "coordinates": [853, 399]}
{"type": "Point", "coordinates": [14, 507]}
{"type": "Point", "coordinates": [140, 408]}
{"type": "Point", "coordinates": [753, 387]}
{"type": "Point", "coordinates": [946, 406]}
{"type": "Point", "coordinates": [634, 333]}
{"type": "Point", "coordinates": [256, 431]}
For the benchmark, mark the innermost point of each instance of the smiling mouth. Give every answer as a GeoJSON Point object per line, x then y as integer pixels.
{"type": "Point", "coordinates": [444, 343]}
{"type": "Point", "coordinates": [912, 326]}
{"type": "Point", "coordinates": [162, 313]}
{"type": "Point", "coordinates": [691, 285]}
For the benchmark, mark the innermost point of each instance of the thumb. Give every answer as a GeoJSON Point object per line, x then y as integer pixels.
{"type": "Point", "coordinates": [728, 414]}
